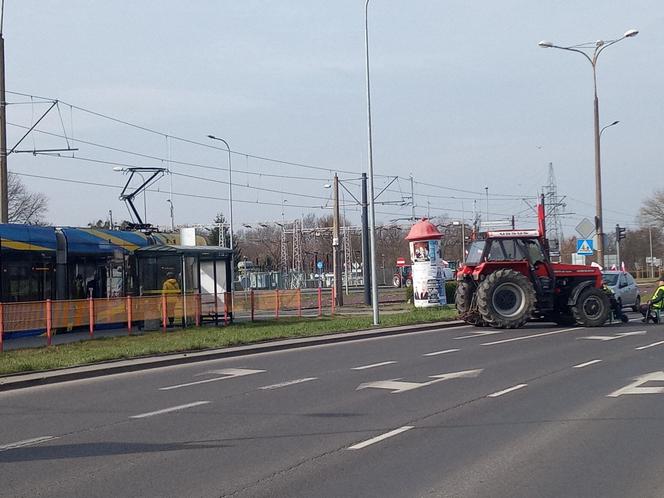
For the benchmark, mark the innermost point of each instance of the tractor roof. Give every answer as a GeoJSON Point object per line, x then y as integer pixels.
{"type": "Point", "coordinates": [510, 234]}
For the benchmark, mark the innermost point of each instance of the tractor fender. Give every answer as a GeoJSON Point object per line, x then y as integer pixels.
{"type": "Point", "coordinates": [574, 296]}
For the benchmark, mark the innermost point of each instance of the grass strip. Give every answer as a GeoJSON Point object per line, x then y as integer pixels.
{"type": "Point", "coordinates": [197, 339]}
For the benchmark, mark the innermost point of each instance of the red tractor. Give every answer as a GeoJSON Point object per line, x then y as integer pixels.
{"type": "Point", "coordinates": [508, 279]}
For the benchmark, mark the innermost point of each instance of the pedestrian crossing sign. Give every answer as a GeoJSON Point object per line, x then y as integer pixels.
{"type": "Point", "coordinates": [584, 247]}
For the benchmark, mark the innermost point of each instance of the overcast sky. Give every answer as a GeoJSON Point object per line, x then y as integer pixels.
{"type": "Point", "coordinates": [462, 97]}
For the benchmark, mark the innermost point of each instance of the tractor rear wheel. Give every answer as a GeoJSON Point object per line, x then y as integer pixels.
{"type": "Point", "coordinates": [591, 308]}
{"type": "Point", "coordinates": [506, 299]}
{"type": "Point", "coordinates": [463, 300]}
{"type": "Point", "coordinates": [463, 296]}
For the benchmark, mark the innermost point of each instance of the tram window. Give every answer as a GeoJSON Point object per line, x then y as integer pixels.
{"type": "Point", "coordinates": [26, 279]}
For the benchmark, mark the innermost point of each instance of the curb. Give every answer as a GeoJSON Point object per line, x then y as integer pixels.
{"type": "Point", "coordinates": [19, 381]}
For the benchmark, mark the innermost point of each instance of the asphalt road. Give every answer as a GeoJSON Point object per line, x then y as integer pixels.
{"type": "Point", "coordinates": [463, 412]}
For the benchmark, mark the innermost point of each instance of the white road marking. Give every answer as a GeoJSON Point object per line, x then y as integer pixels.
{"type": "Point", "coordinates": [399, 386]}
{"type": "Point", "coordinates": [380, 438]}
{"type": "Point", "coordinates": [288, 383]}
{"type": "Point", "coordinates": [508, 390]}
{"type": "Point", "coordinates": [228, 373]}
{"type": "Point", "coordinates": [26, 442]}
{"type": "Point", "coordinates": [586, 364]}
{"type": "Point", "coordinates": [531, 336]}
{"type": "Point", "coordinates": [634, 387]}
{"type": "Point", "coordinates": [171, 409]}
{"type": "Point", "coordinates": [479, 334]}
{"type": "Point", "coordinates": [650, 345]}
{"type": "Point", "coordinates": [374, 365]}
{"type": "Point", "coordinates": [436, 353]}
{"type": "Point", "coordinates": [615, 336]}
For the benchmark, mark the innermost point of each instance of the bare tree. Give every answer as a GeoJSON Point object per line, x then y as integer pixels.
{"type": "Point", "coordinates": [25, 206]}
{"type": "Point", "coordinates": [652, 210]}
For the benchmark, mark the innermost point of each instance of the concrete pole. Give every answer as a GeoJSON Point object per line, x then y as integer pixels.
{"type": "Point", "coordinates": [336, 266]}
{"type": "Point", "coordinates": [412, 199]}
{"type": "Point", "coordinates": [366, 274]}
{"type": "Point", "coordinates": [4, 197]}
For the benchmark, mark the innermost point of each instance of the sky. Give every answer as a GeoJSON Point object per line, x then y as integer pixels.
{"type": "Point", "coordinates": [462, 98]}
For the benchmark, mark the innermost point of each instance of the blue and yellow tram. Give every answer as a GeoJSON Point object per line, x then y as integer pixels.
{"type": "Point", "coordinates": [38, 263]}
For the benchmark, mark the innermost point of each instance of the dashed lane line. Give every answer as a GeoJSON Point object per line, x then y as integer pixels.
{"type": "Point", "coordinates": [436, 353]}
{"type": "Point", "coordinates": [523, 338]}
{"type": "Point", "coordinates": [505, 391]}
{"type": "Point", "coordinates": [374, 365]}
{"type": "Point", "coordinates": [288, 383]}
{"type": "Point", "coordinates": [586, 364]}
{"type": "Point", "coordinates": [27, 442]}
{"type": "Point", "coordinates": [649, 345]}
{"type": "Point", "coordinates": [228, 373]}
{"type": "Point", "coordinates": [171, 409]}
{"type": "Point", "coordinates": [380, 438]}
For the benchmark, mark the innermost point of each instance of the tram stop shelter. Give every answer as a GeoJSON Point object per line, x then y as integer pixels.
{"type": "Point", "coordinates": [203, 274]}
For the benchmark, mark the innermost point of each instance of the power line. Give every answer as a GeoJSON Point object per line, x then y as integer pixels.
{"type": "Point", "coordinates": [186, 140]}
{"type": "Point", "coordinates": [239, 185]}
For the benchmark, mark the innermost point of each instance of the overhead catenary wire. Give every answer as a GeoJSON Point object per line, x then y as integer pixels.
{"type": "Point", "coordinates": [246, 154]}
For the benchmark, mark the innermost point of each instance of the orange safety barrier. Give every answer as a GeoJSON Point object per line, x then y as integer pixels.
{"type": "Point", "coordinates": [48, 322]}
{"type": "Point", "coordinates": [51, 316]}
{"type": "Point", "coordinates": [2, 327]}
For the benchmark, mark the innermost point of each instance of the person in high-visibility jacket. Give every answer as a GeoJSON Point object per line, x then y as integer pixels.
{"type": "Point", "coordinates": [656, 302]}
{"type": "Point", "coordinates": [171, 289]}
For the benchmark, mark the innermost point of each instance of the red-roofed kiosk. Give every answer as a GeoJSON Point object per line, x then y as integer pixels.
{"type": "Point", "coordinates": [428, 279]}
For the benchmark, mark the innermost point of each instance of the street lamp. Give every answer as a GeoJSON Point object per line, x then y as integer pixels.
{"type": "Point", "coordinates": [607, 126]}
{"type": "Point", "coordinates": [172, 219]}
{"type": "Point", "coordinates": [230, 209]}
{"type": "Point", "coordinates": [594, 50]}
{"type": "Point", "coordinates": [372, 208]}
{"type": "Point", "coordinates": [230, 187]}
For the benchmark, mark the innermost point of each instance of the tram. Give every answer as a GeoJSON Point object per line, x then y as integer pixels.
{"type": "Point", "coordinates": [38, 263]}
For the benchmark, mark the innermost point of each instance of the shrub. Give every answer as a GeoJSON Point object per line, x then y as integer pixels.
{"type": "Point", "coordinates": [409, 293]}
{"type": "Point", "coordinates": [450, 291]}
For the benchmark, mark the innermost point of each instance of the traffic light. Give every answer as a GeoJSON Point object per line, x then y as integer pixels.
{"type": "Point", "coordinates": [620, 233]}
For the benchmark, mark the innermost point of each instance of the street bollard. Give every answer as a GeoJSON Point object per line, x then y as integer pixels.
{"type": "Point", "coordinates": [91, 317]}
{"type": "Point", "coordinates": [129, 310]}
{"type": "Point", "coordinates": [199, 311]}
{"type": "Point", "coordinates": [299, 303]}
{"type": "Point", "coordinates": [276, 304]}
{"type": "Point", "coordinates": [48, 322]}
{"type": "Point", "coordinates": [2, 327]}
{"type": "Point", "coordinates": [164, 315]}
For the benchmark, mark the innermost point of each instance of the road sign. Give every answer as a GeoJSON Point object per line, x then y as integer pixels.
{"type": "Point", "coordinates": [586, 228]}
{"type": "Point", "coordinates": [401, 261]}
{"type": "Point", "coordinates": [584, 247]}
{"type": "Point", "coordinates": [319, 265]}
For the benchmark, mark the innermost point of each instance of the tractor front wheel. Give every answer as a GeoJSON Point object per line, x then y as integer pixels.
{"type": "Point", "coordinates": [591, 308]}
{"type": "Point", "coordinates": [506, 299]}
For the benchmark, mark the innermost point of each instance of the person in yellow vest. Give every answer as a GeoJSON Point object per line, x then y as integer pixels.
{"type": "Point", "coordinates": [656, 302]}
{"type": "Point", "coordinates": [170, 288]}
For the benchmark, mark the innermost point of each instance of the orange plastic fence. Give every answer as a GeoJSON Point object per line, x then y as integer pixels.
{"type": "Point", "coordinates": [191, 308]}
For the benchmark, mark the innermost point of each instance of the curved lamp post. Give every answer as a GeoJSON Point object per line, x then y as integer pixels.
{"type": "Point", "coordinates": [591, 52]}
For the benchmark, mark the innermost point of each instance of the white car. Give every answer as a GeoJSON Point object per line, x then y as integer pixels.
{"type": "Point", "coordinates": [624, 287]}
